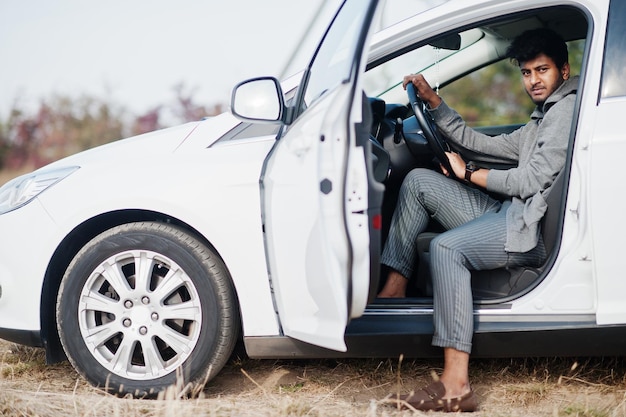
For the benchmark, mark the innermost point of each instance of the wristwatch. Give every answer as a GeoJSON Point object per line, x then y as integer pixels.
{"type": "Point", "coordinates": [470, 168]}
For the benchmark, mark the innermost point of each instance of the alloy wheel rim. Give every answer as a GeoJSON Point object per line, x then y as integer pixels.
{"type": "Point", "coordinates": [140, 315]}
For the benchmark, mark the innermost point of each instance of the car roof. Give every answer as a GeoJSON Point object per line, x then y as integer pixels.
{"type": "Point", "coordinates": [508, 22]}
{"type": "Point", "coordinates": [568, 22]}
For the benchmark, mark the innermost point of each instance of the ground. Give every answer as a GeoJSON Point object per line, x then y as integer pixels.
{"type": "Point", "coordinates": [245, 387]}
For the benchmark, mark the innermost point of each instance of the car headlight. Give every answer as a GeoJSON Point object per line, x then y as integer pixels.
{"type": "Point", "coordinates": [22, 190]}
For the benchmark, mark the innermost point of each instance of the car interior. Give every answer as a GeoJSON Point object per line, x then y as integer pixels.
{"type": "Point", "coordinates": [399, 144]}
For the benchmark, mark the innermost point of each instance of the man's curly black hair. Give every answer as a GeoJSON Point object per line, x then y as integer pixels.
{"type": "Point", "coordinates": [534, 42]}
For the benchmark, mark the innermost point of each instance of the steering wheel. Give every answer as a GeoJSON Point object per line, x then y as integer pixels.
{"type": "Point", "coordinates": [436, 142]}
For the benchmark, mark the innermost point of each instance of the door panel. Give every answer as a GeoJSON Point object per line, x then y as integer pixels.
{"type": "Point", "coordinates": [307, 242]}
{"type": "Point", "coordinates": [315, 193]}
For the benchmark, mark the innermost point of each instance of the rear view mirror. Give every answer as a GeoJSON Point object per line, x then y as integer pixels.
{"type": "Point", "coordinates": [450, 42]}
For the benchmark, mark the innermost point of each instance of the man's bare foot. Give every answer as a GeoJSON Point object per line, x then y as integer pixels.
{"type": "Point", "coordinates": [455, 376]}
{"type": "Point", "coordinates": [395, 287]}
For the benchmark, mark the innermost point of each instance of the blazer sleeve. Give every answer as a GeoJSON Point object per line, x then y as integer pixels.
{"type": "Point", "coordinates": [546, 159]}
{"type": "Point", "coordinates": [456, 130]}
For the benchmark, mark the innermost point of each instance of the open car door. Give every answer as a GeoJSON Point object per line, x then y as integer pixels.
{"type": "Point", "coordinates": [318, 202]}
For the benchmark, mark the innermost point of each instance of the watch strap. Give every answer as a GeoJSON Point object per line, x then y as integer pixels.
{"type": "Point", "coordinates": [470, 168]}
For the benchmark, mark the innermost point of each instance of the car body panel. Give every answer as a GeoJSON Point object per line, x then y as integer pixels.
{"type": "Point", "coordinates": [18, 288]}
{"type": "Point", "coordinates": [306, 238]}
{"type": "Point", "coordinates": [606, 202]}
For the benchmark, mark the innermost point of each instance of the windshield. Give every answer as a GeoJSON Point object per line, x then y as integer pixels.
{"type": "Point", "coordinates": [385, 80]}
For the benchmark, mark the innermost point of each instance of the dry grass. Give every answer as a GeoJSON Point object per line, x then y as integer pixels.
{"type": "Point", "coordinates": [518, 387]}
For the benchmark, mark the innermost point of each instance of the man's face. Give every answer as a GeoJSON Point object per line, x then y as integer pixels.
{"type": "Point", "coordinates": [542, 77]}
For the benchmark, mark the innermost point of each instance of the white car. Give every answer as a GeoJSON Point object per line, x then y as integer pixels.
{"type": "Point", "coordinates": [151, 257]}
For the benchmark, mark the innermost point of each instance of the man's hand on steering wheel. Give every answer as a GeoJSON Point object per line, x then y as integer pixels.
{"type": "Point", "coordinates": [420, 92]}
{"type": "Point", "coordinates": [457, 163]}
{"type": "Point", "coordinates": [423, 89]}
{"type": "Point", "coordinates": [452, 164]}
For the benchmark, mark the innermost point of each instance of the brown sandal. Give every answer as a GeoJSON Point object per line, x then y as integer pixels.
{"type": "Point", "coordinates": [430, 398]}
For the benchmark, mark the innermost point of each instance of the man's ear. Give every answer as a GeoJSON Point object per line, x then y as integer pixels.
{"type": "Point", "coordinates": [565, 71]}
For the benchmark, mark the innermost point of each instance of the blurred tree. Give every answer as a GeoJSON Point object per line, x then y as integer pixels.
{"type": "Point", "coordinates": [147, 122]}
{"type": "Point", "coordinates": [63, 125]}
{"type": "Point", "coordinates": [59, 127]}
{"type": "Point", "coordinates": [185, 108]}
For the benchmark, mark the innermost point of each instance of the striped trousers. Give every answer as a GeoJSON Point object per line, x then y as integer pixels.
{"type": "Point", "coordinates": [474, 240]}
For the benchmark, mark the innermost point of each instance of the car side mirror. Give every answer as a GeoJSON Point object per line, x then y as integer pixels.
{"type": "Point", "coordinates": [258, 100]}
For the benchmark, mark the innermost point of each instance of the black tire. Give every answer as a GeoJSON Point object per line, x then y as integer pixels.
{"type": "Point", "coordinates": [129, 338]}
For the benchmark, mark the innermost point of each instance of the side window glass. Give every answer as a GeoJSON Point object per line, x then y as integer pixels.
{"type": "Point", "coordinates": [613, 83]}
{"type": "Point", "coordinates": [495, 96]}
{"type": "Point", "coordinates": [491, 96]}
{"type": "Point", "coordinates": [333, 63]}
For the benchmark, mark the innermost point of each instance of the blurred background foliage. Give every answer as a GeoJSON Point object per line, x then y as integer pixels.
{"type": "Point", "coordinates": [63, 125]}
{"type": "Point", "coordinates": [495, 95]}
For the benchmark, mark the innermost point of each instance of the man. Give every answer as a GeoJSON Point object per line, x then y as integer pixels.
{"type": "Point", "coordinates": [482, 232]}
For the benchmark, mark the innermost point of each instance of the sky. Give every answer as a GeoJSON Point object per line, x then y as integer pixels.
{"type": "Point", "coordinates": [135, 52]}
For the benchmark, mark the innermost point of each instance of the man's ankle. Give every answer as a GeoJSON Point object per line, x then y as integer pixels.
{"type": "Point", "coordinates": [395, 287]}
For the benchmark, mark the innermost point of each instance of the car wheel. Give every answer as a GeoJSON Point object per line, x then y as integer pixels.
{"type": "Point", "coordinates": [144, 306]}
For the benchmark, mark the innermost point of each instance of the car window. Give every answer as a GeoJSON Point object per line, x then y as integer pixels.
{"type": "Point", "coordinates": [613, 84]}
{"type": "Point", "coordinates": [494, 95]}
{"type": "Point", "coordinates": [490, 96]}
{"type": "Point", "coordinates": [333, 61]}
